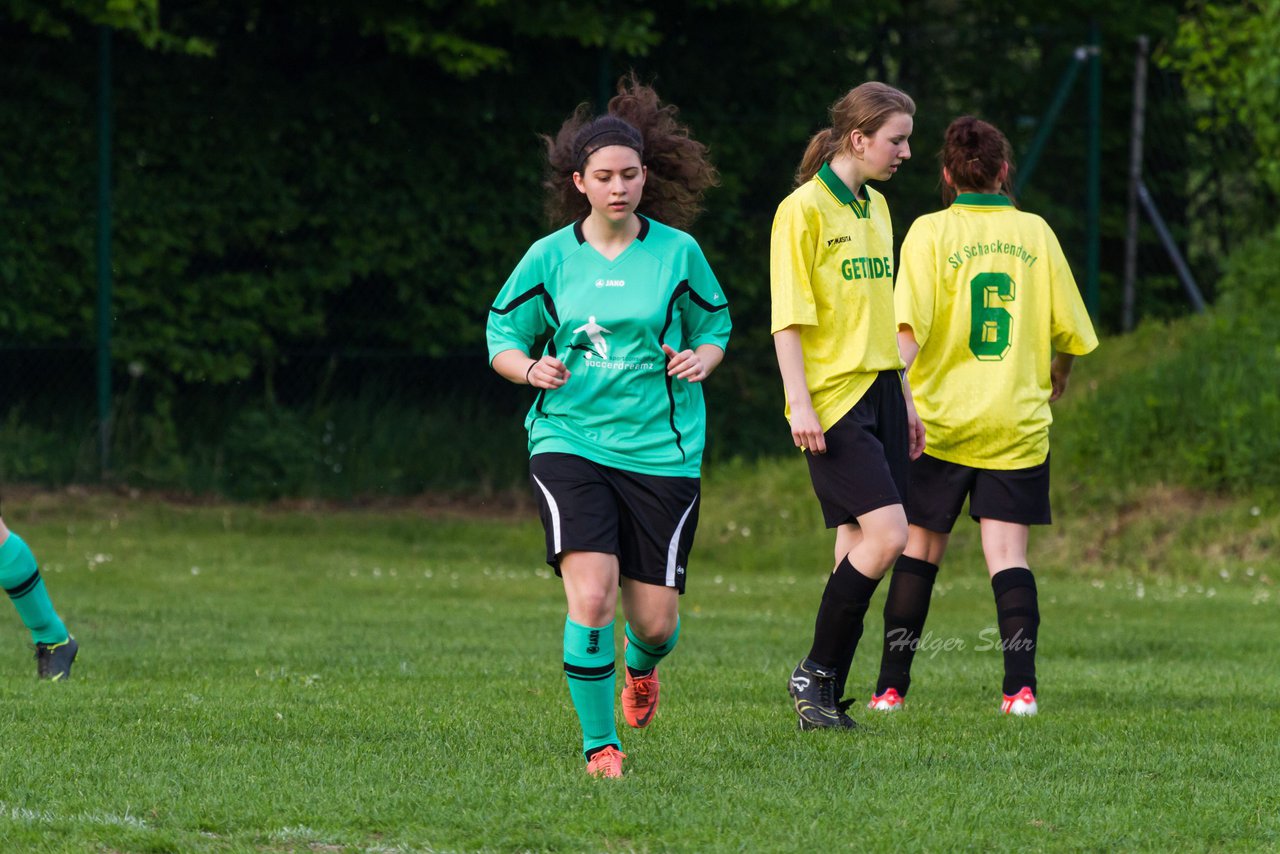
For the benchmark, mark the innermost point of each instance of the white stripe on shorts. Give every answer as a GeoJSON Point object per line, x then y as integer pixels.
{"type": "Point", "coordinates": [674, 545]}
{"type": "Point", "coordinates": [555, 515]}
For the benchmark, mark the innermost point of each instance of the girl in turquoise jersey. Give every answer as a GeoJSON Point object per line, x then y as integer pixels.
{"type": "Point", "coordinates": [636, 321]}
{"type": "Point", "coordinates": [20, 577]}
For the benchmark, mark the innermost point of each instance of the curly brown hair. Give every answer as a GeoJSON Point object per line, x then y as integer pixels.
{"type": "Point", "coordinates": [679, 170]}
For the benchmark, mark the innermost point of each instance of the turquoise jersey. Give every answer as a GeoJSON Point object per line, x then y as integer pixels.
{"type": "Point", "coordinates": [608, 321]}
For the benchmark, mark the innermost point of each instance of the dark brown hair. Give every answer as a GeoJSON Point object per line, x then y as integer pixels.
{"type": "Point", "coordinates": [679, 169]}
{"type": "Point", "coordinates": [973, 152]}
{"type": "Point", "coordinates": [865, 108]}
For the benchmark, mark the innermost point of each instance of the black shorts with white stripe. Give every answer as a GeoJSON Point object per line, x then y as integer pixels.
{"type": "Point", "coordinates": [648, 521]}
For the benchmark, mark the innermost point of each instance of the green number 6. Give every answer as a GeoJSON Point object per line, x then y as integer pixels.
{"type": "Point", "coordinates": [989, 328]}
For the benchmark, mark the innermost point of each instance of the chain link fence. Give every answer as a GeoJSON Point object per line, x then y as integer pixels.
{"type": "Point", "coordinates": [341, 409]}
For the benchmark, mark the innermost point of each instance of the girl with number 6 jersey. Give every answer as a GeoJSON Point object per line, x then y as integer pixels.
{"type": "Point", "coordinates": [989, 321]}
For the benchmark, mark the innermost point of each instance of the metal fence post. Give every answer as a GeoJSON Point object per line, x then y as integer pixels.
{"type": "Point", "coordinates": [104, 249]}
{"type": "Point", "coordinates": [1028, 162]}
{"type": "Point", "coordinates": [1135, 178]}
{"type": "Point", "coordinates": [1094, 180]}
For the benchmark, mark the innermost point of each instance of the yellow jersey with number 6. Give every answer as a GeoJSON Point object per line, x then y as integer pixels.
{"type": "Point", "coordinates": [989, 296]}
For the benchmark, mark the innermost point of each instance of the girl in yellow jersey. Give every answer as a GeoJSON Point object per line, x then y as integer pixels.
{"type": "Point", "coordinates": [984, 299]}
{"type": "Point", "coordinates": [831, 271]}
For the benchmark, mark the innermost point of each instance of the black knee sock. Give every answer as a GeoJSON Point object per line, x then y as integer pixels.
{"type": "Point", "coordinates": [839, 623]}
{"type": "Point", "coordinates": [905, 610]}
{"type": "Point", "coordinates": [1018, 613]}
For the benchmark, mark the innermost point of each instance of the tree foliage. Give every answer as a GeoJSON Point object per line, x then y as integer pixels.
{"type": "Point", "coordinates": [139, 18]}
{"type": "Point", "coordinates": [1227, 55]}
{"type": "Point", "coordinates": [342, 176]}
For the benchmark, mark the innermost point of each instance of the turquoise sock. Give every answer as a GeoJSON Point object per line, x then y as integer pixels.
{"type": "Point", "coordinates": [589, 668]}
{"type": "Point", "coordinates": [20, 578]}
{"type": "Point", "coordinates": [643, 656]}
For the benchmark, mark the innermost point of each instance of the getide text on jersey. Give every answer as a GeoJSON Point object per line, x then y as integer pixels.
{"type": "Point", "coordinates": [866, 268]}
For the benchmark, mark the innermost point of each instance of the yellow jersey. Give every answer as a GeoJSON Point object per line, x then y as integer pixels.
{"type": "Point", "coordinates": [988, 294]}
{"type": "Point", "coordinates": [831, 274]}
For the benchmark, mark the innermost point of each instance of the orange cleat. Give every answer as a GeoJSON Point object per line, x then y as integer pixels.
{"type": "Point", "coordinates": [889, 701]}
{"type": "Point", "coordinates": [606, 762]}
{"type": "Point", "coordinates": [1021, 703]}
{"type": "Point", "coordinates": [640, 698]}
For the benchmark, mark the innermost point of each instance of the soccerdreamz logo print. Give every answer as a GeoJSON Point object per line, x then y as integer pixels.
{"type": "Point", "coordinates": [596, 351]}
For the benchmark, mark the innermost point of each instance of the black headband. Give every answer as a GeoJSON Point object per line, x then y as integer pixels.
{"type": "Point", "coordinates": [619, 134]}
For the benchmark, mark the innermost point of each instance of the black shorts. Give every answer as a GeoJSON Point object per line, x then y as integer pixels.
{"type": "Point", "coordinates": [938, 490]}
{"type": "Point", "coordinates": [866, 463]}
{"type": "Point", "coordinates": [646, 520]}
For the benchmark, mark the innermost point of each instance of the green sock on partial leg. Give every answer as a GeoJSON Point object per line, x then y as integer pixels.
{"type": "Point", "coordinates": [590, 669]}
{"type": "Point", "coordinates": [643, 657]}
{"type": "Point", "coordinates": [20, 578]}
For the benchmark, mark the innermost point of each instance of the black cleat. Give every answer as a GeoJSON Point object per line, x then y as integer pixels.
{"type": "Point", "coordinates": [842, 709]}
{"type": "Point", "coordinates": [813, 688]}
{"type": "Point", "coordinates": [53, 660]}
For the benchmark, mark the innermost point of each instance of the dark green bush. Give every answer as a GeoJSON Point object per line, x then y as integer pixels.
{"type": "Point", "coordinates": [267, 453]}
{"type": "Point", "coordinates": [1250, 290]}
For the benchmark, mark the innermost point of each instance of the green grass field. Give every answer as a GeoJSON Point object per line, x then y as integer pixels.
{"type": "Point", "coordinates": [310, 679]}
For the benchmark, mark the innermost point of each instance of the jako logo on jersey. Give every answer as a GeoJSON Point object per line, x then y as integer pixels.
{"type": "Point", "coordinates": [595, 334]}
{"type": "Point", "coordinates": [611, 283]}
{"type": "Point", "coordinates": [833, 241]}
{"type": "Point", "coordinates": [593, 642]}
{"type": "Point", "coordinates": [866, 268]}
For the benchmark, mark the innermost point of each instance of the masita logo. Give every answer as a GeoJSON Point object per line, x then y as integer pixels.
{"type": "Point", "coordinates": [833, 241]}
{"type": "Point", "coordinates": [611, 283]}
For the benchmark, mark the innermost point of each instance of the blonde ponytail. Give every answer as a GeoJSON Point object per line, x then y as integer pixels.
{"type": "Point", "coordinates": [821, 148]}
{"type": "Point", "coordinates": [863, 108]}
